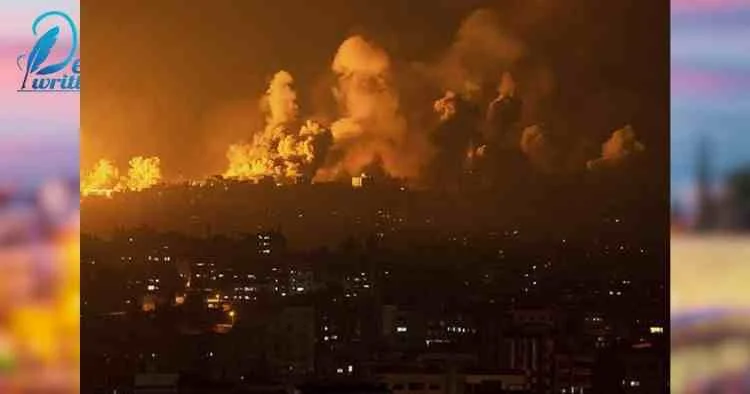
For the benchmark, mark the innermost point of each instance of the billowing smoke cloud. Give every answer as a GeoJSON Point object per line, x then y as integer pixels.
{"type": "Point", "coordinates": [279, 151]}
{"type": "Point", "coordinates": [371, 131]}
{"type": "Point", "coordinates": [481, 50]}
{"type": "Point", "coordinates": [618, 148]}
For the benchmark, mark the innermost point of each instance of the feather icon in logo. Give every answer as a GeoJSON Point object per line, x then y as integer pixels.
{"type": "Point", "coordinates": [40, 52]}
{"type": "Point", "coordinates": [43, 47]}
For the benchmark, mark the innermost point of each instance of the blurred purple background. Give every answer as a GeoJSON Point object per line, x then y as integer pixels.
{"type": "Point", "coordinates": [710, 247]}
{"type": "Point", "coordinates": [39, 206]}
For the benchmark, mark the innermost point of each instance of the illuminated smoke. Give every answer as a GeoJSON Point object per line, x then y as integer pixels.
{"type": "Point", "coordinates": [507, 86]}
{"type": "Point", "coordinates": [456, 139]}
{"type": "Point", "coordinates": [103, 179]}
{"type": "Point", "coordinates": [371, 131]}
{"type": "Point", "coordinates": [619, 147]}
{"type": "Point", "coordinates": [446, 106]}
{"type": "Point", "coordinates": [278, 151]}
{"type": "Point", "coordinates": [281, 100]}
{"type": "Point", "coordinates": [480, 51]}
{"type": "Point", "coordinates": [143, 173]}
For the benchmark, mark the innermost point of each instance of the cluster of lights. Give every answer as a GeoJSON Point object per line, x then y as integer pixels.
{"type": "Point", "coordinates": [349, 369]}
{"type": "Point", "coordinates": [153, 284]}
{"type": "Point", "coordinates": [165, 259]}
{"type": "Point", "coordinates": [460, 330]}
{"type": "Point", "coordinates": [264, 244]}
{"type": "Point", "coordinates": [357, 282]}
{"type": "Point", "coordinates": [299, 281]}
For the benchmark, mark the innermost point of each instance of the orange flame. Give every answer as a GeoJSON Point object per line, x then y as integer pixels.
{"type": "Point", "coordinates": [104, 179]}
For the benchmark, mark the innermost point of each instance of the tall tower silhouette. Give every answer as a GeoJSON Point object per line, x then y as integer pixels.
{"type": "Point", "coordinates": [706, 218]}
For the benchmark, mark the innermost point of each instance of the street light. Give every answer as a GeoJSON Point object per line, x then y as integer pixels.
{"type": "Point", "coordinates": [232, 314]}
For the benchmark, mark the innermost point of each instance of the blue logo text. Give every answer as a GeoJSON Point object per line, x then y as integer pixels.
{"type": "Point", "coordinates": [38, 75]}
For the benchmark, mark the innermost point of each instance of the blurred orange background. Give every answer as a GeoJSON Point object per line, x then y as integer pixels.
{"type": "Point", "coordinates": [39, 291]}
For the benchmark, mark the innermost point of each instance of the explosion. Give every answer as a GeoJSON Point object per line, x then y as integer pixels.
{"type": "Point", "coordinates": [278, 151]}
{"type": "Point", "coordinates": [104, 179]}
{"type": "Point", "coordinates": [369, 131]}
{"type": "Point", "coordinates": [372, 131]}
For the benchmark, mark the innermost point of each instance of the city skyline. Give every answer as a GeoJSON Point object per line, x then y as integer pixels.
{"type": "Point", "coordinates": [453, 197]}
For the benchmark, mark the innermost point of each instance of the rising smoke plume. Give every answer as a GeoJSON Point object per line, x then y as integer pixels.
{"type": "Point", "coordinates": [618, 148]}
{"type": "Point", "coordinates": [283, 149]}
{"type": "Point", "coordinates": [481, 50]}
{"type": "Point", "coordinates": [281, 100]}
{"type": "Point", "coordinates": [371, 131]}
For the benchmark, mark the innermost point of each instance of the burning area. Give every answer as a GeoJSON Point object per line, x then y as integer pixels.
{"type": "Point", "coordinates": [486, 125]}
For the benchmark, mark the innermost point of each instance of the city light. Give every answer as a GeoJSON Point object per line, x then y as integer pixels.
{"type": "Point", "coordinates": [464, 208]}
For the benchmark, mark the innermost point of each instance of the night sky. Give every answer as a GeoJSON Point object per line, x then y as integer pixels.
{"type": "Point", "coordinates": [183, 82]}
